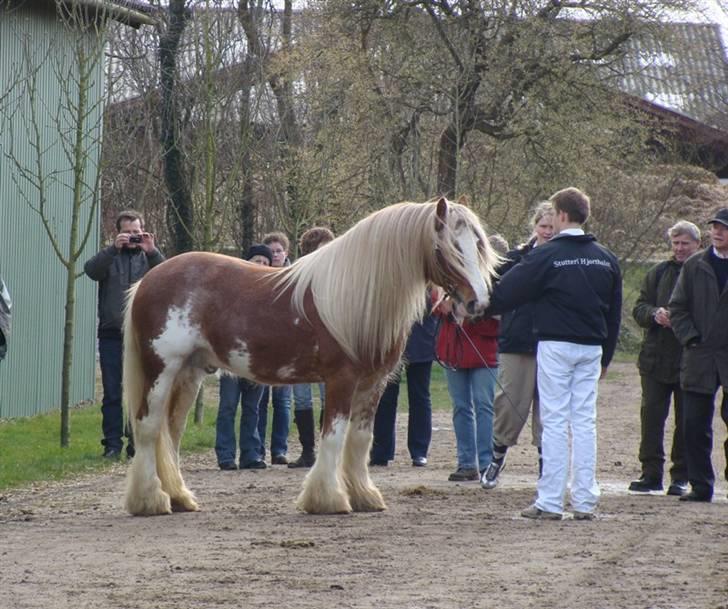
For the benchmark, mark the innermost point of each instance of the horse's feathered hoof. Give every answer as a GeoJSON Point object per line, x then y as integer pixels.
{"type": "Point", "coordinates": [185, 503]}
{"type": "Point", "coordinates": [152, 504]}
{"type": "Point", "coordinates": [334, 503]}
{"type": "Point", "coordinates": [367, 500]}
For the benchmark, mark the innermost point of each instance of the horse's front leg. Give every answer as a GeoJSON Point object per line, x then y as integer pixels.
{"type": "Point", "coordinates": [323, 488]}
{"type": "Point", "coordinates": [364, 496]}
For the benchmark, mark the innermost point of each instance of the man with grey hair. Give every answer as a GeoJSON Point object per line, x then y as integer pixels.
{"type": "Point", "coordinates": [659, 366]}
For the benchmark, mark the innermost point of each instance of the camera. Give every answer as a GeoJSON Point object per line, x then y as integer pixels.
{"type": "Point", "coordinates": [135, 239]}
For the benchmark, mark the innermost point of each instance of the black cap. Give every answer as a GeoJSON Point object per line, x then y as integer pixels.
{"type": "Point", "coordinates": [720, 216]}
{"type": "Point", "coordinates": [259, 249]}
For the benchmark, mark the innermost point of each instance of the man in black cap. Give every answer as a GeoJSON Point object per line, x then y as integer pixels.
{"type": "Point", "coordinates": [699, 317]}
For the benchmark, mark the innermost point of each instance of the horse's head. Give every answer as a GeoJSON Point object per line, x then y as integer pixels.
{"type": "Point", "coordinates": [465, 261]}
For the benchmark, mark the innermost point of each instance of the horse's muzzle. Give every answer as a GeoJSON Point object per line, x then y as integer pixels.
{"type": "Point", "coordinates": [474, 307]}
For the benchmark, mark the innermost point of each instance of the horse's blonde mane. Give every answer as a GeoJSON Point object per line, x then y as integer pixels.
{"type": "Point", "coordinates": [369, 284]}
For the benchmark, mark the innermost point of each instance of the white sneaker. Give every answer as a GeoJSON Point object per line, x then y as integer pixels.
{"type": "Point", "coordinates": [489, 479]}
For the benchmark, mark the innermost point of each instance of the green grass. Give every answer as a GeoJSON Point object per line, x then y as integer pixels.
{"type": "Point", "coordinates": [30, 448]}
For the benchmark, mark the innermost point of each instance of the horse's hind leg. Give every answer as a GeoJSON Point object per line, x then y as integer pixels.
{"type": "Point", "coordinates": [182, 398]}
{"type": "Point", "coordinates": [364, 496]}
{"type": "Point", "coordinates": [144, 493]}
{"type": "Point", "coordinates": [323, 489]}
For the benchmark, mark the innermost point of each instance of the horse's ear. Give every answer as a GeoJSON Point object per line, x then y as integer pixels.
{"type": "Point", "coordinates": [441, 216]}
{"type": "Point", "coordinates": [464, 200]}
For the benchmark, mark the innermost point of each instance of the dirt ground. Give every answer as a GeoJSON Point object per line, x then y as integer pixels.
{"type": "Point", "coordinates": [439, 545]}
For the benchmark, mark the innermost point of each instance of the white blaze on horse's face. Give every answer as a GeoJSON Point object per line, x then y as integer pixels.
{"type": "Point", "coordinates": [467, 242]}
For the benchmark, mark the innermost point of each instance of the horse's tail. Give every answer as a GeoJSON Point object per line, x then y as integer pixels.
{"type": "Point", "coordinates": [133, 373]}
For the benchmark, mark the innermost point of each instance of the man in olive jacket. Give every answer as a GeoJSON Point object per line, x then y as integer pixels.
{"type": "Point", "coordinates": [659, 366]}
{"type": "Point", "coordinates": [116, 268]}
{"type": "Point", "coordinates": [699, 317]}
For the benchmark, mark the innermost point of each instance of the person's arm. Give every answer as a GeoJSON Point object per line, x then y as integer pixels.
{"type": "Point", "coordinates": [646, 306]}
{"type": "Point", "coordinates": [98, 266]}
{"type": "Point", "coordinates": [613, 319]}
{"type": "Point", "coordinates": [521, 284]}
{"type": "Point", "coordinates": [155, 258]}
{"type": "Point", "coordinates": [680, 317]}
{"type": "Point", "coordinates": [149, 247]}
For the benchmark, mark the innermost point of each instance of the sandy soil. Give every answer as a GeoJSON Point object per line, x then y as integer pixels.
{"type": "Point", "coordinates": [440, 544]}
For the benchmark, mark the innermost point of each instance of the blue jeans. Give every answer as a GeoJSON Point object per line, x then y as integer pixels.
{"type": "Point", "coordinates": [472, 391]}
{"type": "Point", "coordinates": [281, 416]}
{"type": "Point", "coordinates": [112, 413]}
{"type": "Point", "coordinates": [303, 396]}
{"type": "Point", "coordinates": [233, 390]}
{"type": "Point", "coordinates": [419, 426]}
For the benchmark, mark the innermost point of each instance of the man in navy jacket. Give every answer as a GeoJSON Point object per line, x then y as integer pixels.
{"type": "Point", "coordinates": [576, 287]}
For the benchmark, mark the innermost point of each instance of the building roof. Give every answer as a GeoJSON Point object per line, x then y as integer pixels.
{"type": "Point", "coordinates": [683, 69]}
{"type": "Point", "coordinates": [129, 12]}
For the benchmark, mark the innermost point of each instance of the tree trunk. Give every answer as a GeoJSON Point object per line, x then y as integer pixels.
{"type": "Point", "coordinates": [200, 406]}
{"type": "Point", "coordinates": [447, 164]}
{"type": "Point", "coordinates": [180, 213]}
{"type": "Point", "coordinates": [247, 202]}
{"type": "Point", "coordinates": [67, 364]}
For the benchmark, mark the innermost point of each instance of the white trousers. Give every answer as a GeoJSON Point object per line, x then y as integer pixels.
{"type": "Point", "coordinates": [568, 376]}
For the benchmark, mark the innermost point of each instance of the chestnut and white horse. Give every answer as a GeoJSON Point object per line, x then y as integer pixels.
{"type": "Point", "coordinates": [340, 315]}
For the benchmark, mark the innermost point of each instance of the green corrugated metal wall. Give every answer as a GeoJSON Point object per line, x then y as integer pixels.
{"type": "Point", "coordinates": [30, 376]}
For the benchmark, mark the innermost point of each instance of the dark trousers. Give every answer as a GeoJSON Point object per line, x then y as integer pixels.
{"type": "Point", "coordinates": [281, 398]}
{"type": "Point", "coordinates": [656, 398]}
{"type": "Point", "coordinates": [112, 413]}
{"type": "Point", "coordinates": [698, 411]}
{"type": "Point", "coordinates": [419, 427]}
{"type": "Point", "coordinates": [234, 390]}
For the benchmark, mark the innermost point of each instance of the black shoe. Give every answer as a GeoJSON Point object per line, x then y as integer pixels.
{"type": "Point", "coordinates": [373, 463]}
{"type": "Point", "coordinates": [279, 459]}
{"type": "Point", "coordinates": [677, 488]}
{"type": "Point", "coordinates": [419, 462]}
{"type": "Point", "coordinates": [307, 459]}
{"type": "Point", "coordinates": [693, 496]}
{"type": "Point", "coordinates": [130, 451]}
{"type": "Point", "coordinates": [464, 475]}
{"type": "Point", "coordinates": [228, 466]}
{"type": "Point", "coordinates": [645, 486]}
{"type": "Point", "coordinates": [112, 454]}
{"type": "Point", "coordinates": [254, 465]}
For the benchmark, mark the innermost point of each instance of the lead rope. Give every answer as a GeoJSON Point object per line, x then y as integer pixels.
{"type": "Point", "coordinates": [462, 331]}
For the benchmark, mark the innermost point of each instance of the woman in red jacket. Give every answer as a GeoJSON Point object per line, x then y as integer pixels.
{"type": "Point", "coordinates": [469, 353]}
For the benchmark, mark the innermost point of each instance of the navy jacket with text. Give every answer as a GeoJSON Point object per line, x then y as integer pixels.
{"type": "Point", "coordinates": [576, 286]}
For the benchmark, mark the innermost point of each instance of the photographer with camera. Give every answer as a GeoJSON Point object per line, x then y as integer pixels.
{"type": "Point", "coordinates": [116, 268]}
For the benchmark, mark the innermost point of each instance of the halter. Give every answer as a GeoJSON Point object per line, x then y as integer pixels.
{"type": "Point", "coordinates": [448, 287]}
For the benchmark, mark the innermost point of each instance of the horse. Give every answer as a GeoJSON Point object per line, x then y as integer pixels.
{"type": "Point", "coordinates": [340, 315]}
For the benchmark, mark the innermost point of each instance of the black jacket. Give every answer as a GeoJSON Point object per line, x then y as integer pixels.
{"type": "Point", "coordinates": [699, 317]}
{"type": "Point", "coordinates": [576, 285]}
{"type": "Point", "coordinates": [116, 271]}
{"type": "Point", "coordinates": [518, 332]}
{"type": "Point", "coordinates": [660, 353]}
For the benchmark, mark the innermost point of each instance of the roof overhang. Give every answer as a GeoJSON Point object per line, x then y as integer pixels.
{"type": "Point", "coordinates": [128, 12]}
